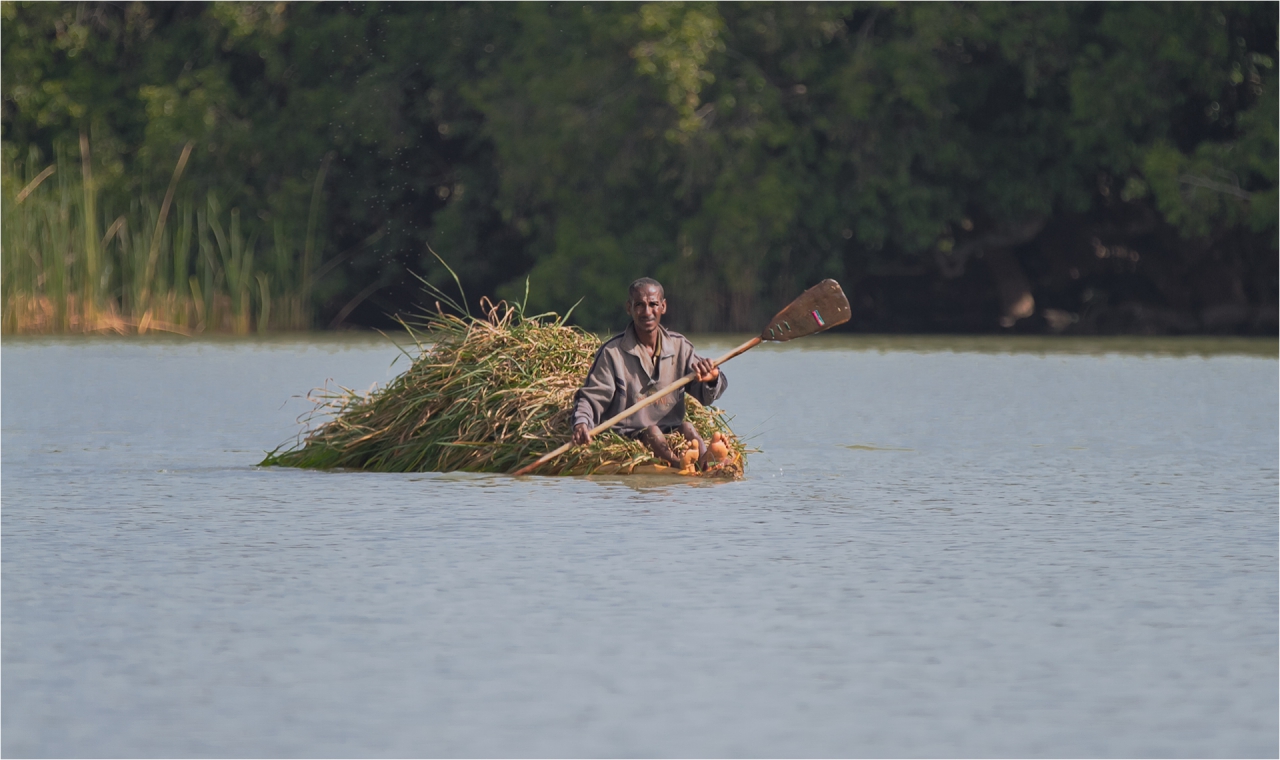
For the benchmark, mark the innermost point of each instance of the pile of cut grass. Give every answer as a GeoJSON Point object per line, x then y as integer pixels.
{"type": "Point", "coordinates": [485, 395]}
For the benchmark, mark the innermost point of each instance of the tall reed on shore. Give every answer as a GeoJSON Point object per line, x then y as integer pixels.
{"type": "Point", "coordinates": [183, 264]}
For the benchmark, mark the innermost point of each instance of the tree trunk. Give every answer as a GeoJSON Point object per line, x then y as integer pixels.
{"type": "Point", "coordinates": [1016, 301]}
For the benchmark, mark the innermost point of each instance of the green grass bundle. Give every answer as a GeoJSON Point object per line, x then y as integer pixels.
{"type": "Point", "coordinates": [486, 395]}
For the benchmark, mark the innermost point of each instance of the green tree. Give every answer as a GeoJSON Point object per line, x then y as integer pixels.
{"type": "Point", "coordinates": [736, 151]}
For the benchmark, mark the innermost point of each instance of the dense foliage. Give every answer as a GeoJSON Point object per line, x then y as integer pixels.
{"type": "Point", "coordinates": [1065, 166]}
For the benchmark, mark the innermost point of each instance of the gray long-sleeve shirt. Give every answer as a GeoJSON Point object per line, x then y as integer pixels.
{"type": "Point", "coordinates": [622, 374]}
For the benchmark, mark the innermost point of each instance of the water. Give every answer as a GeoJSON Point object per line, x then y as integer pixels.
{"type": "Point", "coordinates": [937, 553]}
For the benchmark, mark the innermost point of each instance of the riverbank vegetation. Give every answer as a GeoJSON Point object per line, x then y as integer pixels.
{"type": "Point", "coordinates": [486, 395]}
{"type": "Point", "coordinates": [959, 167]}
{"type": "Point", "coordinates": [79, 260]}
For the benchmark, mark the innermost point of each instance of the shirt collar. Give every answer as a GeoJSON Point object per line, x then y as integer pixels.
{"type": "Point", "coordinates": [631, 343]}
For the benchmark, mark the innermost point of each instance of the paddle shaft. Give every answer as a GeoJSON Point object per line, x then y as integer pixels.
{"type": "Point", "coordinates": [625, 413]}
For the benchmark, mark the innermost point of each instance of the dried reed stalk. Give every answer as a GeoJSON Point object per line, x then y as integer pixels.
{"type": "Point", "coordinates": [487, 395]}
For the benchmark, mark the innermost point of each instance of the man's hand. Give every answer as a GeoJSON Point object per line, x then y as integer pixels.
{"type": "Point", "coordinates": [581, 434]}
{"type": "Point", "coordinates": [706, 370]}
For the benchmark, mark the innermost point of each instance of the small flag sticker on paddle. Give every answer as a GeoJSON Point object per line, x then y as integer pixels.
{"type": "Point", "coordinates": [818, 318]}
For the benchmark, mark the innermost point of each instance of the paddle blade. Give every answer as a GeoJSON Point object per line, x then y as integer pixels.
{"type": "Point", "coordinates": [818, 308]}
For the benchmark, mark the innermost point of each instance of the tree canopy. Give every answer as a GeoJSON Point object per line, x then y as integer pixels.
{"type": "Point", "coordinates": [958, 166]}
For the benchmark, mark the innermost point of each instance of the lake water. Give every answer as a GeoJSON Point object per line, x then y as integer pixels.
{"type": "Point", "coordinates": [1016, 549]}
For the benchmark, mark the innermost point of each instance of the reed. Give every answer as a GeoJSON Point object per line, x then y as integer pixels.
{"type": "Point", "coordinates": [179, 265]}
{"type": "Point", "coordinates": [485, 395]}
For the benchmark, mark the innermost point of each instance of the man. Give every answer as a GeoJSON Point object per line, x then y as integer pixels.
{"type": "Point", "coordinates": [643, 359]}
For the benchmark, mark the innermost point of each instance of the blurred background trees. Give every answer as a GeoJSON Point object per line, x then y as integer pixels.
{"type": "Point", "coordinates": [1091, 167]}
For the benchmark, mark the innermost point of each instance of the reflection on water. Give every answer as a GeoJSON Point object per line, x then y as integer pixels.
{"type": "Point", "coordinates": [864, 447]}
{"type": "Point", "coordinates": [945, 547]}
{"type": "Point", "coordinates": [1135, 345]}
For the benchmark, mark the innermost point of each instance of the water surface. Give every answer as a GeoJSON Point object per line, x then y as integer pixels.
{"type": "Point", "coordinates": [943, 549]}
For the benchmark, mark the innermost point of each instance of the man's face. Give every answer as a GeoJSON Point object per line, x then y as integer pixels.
{"type": "Point", "coordinates": [646, 307]}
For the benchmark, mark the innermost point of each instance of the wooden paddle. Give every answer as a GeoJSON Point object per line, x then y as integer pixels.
{"type": "Point", "coordinates": [817, 309]}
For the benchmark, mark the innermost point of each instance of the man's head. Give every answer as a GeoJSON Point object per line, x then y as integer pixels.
{"type": "Point", "coordinates": [646, 303]}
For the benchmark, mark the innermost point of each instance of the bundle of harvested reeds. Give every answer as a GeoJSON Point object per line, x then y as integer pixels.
{"type": "Point", "coordinates": [485, 395]}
